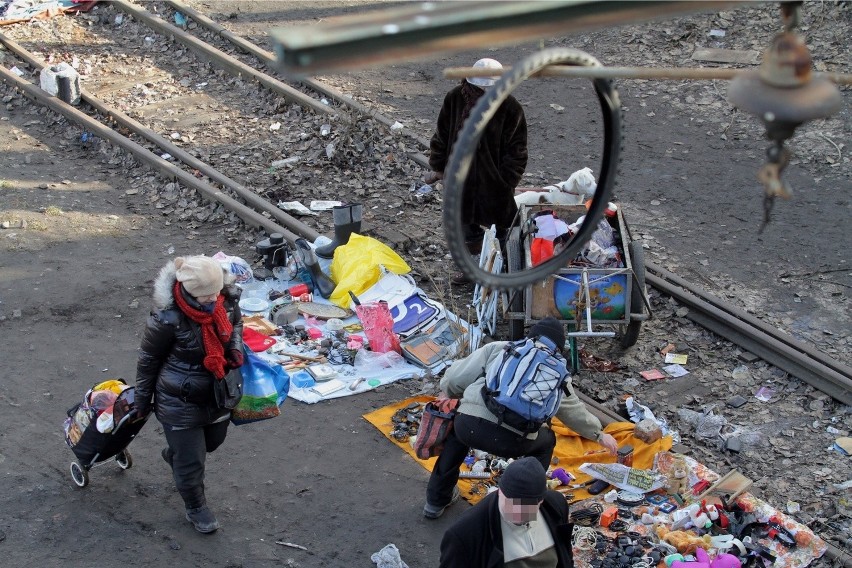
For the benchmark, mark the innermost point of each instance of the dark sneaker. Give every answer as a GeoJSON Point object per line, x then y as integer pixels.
{"type": "Point", "coordinates": [202, 519]}
{"type": "Point", "coordinates": [167, 455]}
{"type": "Point", "coordinates": [433, 512]}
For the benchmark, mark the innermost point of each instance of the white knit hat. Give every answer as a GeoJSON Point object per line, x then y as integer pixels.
{"type": "Point", "coordinates": [200, 275]}
{"type": "Point", "coordinates": [484, 64]}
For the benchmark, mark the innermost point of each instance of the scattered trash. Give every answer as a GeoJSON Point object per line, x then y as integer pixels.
{"type": "Point", "coordinates": [598, 364]}
{"type": "Point", "coordinates": [717, 33]}
{"type": "Point", "coordinates": [396, 126]}
{"type": "Point", "coordinates": [166, 156]}
{"type": "Point", "coordinates": [295, 207]}
{"type": "Point", "coordinates": [793, 507]}
{"type": "Point", "coordinates": [706, 424]}
{"type": "Point", "coordinates": [675, 370]}
{"type": "Point", "coordinates": [290, 544]}
{"type": "Point", "coordinates": [667, 349]}
{"type": "Point", "coordinates": [119, 19]}
{"type": "Point", "coordinates": [324, 101]}
{"type": "Point", "coordinates": [148, 41]}
{"type": "Point", "coordinates": [421, 191]}
{"type": "Point", "coordinates": [556, 107]}
{"type": "Point", "coordinates": [324, 205]}
{"type": "Point", "coordinates": [180, 19]}
{"type": "Point", "coordinates": [652, 375]}
{"type": "Point", "coordinates": [733, 444]}
{"type": "Point", "coordinates": [832, 430]}
{"type": "Point", "coordinates": [736, 401]}
{"type": "Point", "coordinates": [275, 126]}
{"type": "Point", "coordinates": [678, 358]}
{"type": "Point", "coordinates": [285, 162]}
{"type": "Point", "coordinates": [764, 394]}
{"type": "Point", "coordinates": [325, 129]}
{"type": "Point", "coordinates": [740, 373]}
{"type": "Point", "coordinates": [17, 71]}
{"type": "Point", "coordinates": [329, 151]}
{"type": "Point", "coordinates": [22, 224]}
{"type": "Point", "coordinates": [639, 413]}
{"type": "Point", "coordinates": [388, 557]}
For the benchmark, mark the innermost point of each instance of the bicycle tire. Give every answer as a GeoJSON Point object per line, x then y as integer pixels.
{"type": "Point", "coordinates": [461, 157]}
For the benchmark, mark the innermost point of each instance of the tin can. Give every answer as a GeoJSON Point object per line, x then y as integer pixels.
{"type": "Point", "coordinates": [306, 297]}
{"type": "Point", "coordinates": [625, 455]}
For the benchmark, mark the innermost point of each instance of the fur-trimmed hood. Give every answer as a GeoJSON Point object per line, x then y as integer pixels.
{"type": "Point", "coordinates": [165, 283]}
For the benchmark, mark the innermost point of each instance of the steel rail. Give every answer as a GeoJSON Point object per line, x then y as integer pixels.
{"type": "Point", "coordinates": [223, 60]}
{"type": "Point", "coordinates": [295, 228]}
{"type": "Point", "coordinates": [35, 93]}
{"type": "Point", "coordinates": [658, 73]}
{"type": "Point", "coordinates": [774, 332]}
{"type": "Point", "coordinates": [268, 59]}
{"type": "Point", "coordinates": [730, 326]}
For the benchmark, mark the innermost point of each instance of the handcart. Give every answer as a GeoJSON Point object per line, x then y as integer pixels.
{"type": "Point", "coordinates": [93, 447]}
{"type": "Point", "coordinates": [579, 296]}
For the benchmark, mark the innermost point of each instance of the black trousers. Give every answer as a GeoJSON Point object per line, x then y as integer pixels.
{"type": "Point", "coordinates": [472, 432]}
{"type": "Point", "coordinates": [188, 450]}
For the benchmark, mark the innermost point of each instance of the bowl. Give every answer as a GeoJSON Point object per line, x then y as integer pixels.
{"type": "Point", "coordinates": [253, 304]}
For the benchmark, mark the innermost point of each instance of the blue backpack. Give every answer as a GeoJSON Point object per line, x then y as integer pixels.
{"type": "Point", "coordinates": [524, 386]}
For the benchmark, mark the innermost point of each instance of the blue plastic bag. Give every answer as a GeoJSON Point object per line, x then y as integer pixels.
{"type": "Point", "coordinates": [265, 387]}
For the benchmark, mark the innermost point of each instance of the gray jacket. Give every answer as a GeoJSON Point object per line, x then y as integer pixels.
{"type": "Point", "coordinates": [465, 378]}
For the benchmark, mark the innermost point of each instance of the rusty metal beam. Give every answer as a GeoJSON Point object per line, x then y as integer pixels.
{"type": "Point", "coordinates": [429, 28]}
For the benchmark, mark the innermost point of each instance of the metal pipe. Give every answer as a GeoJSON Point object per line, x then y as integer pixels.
{"type": "Point", "coordinates": [425, 29]}
{"type": "Point", "coordinates": [254, 200]}
{"type": "Point", "coordinates": [661, 73]}
{"type": "Point", "coordinates": [168, 169]}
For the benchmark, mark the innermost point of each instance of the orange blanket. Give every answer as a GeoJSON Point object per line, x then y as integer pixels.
{"type": "Point", "coordinates": [571, 450]}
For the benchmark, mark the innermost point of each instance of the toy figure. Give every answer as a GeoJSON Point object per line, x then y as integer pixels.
{"type": "Point", "coordinates": [678, 478]}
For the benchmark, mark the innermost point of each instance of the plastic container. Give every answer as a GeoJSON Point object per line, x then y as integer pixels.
{"type": "Point", "coordinates": [302, 380]}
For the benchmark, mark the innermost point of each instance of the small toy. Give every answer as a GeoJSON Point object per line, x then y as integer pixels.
{"type": "Point", "coordinates": [684, 542]}
{"type": "Point", "coordinates": [678, 482]}
{"type": "Point", "coordinates": [559, 477]}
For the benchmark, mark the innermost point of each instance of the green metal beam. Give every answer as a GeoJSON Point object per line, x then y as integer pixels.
{"type": "Point", "coordinates": [425, 29]}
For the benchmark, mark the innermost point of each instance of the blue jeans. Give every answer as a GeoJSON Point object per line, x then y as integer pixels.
{"type": "Point", "coordinates": [472, 432]}
{"type": "Point", "coordinates": [188, 449]}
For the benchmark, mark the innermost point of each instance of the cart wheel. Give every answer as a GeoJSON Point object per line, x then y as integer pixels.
{"type": "Point", "coordinates": [637, 295]}
{"type": "Point", "coordinates": [513, 262]}
{"type": "Point", "coordinates": [79, 475]}
{"type": "Point", "coordinates": [124, 459]}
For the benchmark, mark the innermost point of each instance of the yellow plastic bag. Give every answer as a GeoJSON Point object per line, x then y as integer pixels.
{"type": "Point", "coordinates": [355, 266]}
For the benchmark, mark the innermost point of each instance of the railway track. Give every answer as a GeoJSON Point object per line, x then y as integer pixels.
{"type": "Point", "coordinates": [180, 95]}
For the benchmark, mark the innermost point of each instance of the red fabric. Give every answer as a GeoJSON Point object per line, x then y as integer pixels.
{"type": "Point", "coordinates": [541, 250]}
{"type": "Point", "coordinates": [256, 341]}
{"type": "Point", "coordinates": [216, 330]}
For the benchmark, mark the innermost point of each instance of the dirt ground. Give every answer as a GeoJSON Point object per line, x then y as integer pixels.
{"type": "Point", "coordinates": [75, 285]}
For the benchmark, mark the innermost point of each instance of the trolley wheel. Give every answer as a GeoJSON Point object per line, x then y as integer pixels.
{"type": "Point", "coordinates": [513, 263]}
{"type": "Point", "coordinates": [124, 459]}
{"type": "Point", "coordinates": [79, 475]}
{"type": "Point", "coordinates": [637, 295]}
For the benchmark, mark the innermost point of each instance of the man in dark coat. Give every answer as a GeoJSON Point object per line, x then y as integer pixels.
{"type": "Point", "coordinates": [499, 161]}
{"type": "Point", "coordinates": [521, 524]}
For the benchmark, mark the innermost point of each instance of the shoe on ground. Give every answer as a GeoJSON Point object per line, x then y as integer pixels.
{"type": "Point", "coordinates": [203, 519]}
{"type": "Point", "coordinates": [433, 512]}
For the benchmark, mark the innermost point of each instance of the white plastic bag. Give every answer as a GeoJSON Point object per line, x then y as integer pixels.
{"type": "Point", "coordinates": [236, 266]}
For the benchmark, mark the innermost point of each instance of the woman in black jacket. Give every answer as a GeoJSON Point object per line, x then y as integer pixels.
{"type": "Point", "coordinates": [192, 339]}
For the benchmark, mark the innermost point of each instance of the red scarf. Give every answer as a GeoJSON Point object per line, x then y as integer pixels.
{"type": "Point", "coordinates": [216, 330]}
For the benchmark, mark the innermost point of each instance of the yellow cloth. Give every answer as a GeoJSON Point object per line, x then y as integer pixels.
{"type": "Point", "coordinates": [570, 449]}
{"type": "Point", "coordinates": [113, 385]}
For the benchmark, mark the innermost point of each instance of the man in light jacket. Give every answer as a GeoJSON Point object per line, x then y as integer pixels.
{"type": "Point", "coordinates": [475, 426]}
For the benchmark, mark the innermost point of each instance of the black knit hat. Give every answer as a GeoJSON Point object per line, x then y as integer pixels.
{"type": "Point", "coordinates": [524, 479]}
{"type": "Point", "coordinates": [551, 329]}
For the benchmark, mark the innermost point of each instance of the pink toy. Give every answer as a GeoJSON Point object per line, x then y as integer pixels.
{"type": "Point", "coordinates": [703, 561]}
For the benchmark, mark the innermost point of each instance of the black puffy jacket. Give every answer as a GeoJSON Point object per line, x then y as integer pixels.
{"type": "Point", "coordinates": [171, 368]}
